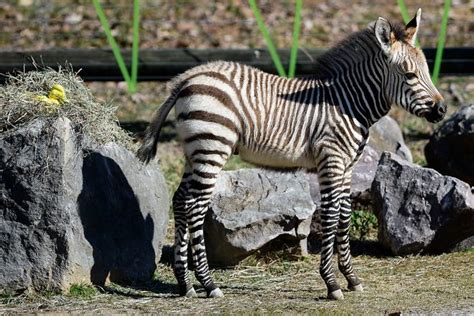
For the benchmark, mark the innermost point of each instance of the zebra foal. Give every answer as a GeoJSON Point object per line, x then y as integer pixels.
{"type": "Point", "coordinates": [319, 123]}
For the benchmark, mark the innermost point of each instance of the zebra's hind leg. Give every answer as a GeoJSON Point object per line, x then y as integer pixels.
{"type": "Point", "coordinates": [182, 237]}
{"type": "Point", "coordinates": [203, 180]}
{"type": "Point", "coordinates": [343, 246]}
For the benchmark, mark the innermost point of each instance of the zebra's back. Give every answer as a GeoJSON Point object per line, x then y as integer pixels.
{"type": "Point", "coordinates": [269, 120]}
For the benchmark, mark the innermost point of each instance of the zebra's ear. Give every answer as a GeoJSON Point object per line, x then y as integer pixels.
{"type": "Point", "coordinates": [383, 33]}
{"type": "Point", "coordinates": [411, 29]}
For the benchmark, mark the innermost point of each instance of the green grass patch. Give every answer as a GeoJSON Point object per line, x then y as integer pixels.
{"type": "Point", "coordinates": [82, 291]}
{"type": "Point", "coordinates": [235, 162]}
{"type": "Point", "coordinates": [363, 224]}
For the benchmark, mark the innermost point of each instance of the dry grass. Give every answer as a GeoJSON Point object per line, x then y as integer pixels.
{"type": "Point", "coordinates": [283, 283]}
{"type": "Point", "coordinates": [19, 105]}
{"type": "Point", "coordinates": [443, 283]}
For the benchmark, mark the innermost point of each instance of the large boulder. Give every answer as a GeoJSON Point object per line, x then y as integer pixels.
{"type": "Point", "coordinates": [451, 147]}
{"type": "Point", "coordinates": [251, 208]}
{"type": "Point", "coordinates": [386, 135]}
{"type": "Point", "coordinates": [73, 211]}
{"type": "Point", "coordinates": [420, 210]}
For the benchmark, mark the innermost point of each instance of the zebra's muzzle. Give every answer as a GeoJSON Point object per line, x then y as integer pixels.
{"type": "Point", "coordinates": [437, 113]}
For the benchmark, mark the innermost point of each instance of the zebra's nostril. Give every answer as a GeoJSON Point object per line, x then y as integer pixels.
{"type": "Point", "coordinates": [440, 108]}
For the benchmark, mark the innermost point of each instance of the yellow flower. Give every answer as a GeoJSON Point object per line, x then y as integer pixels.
{"type": "Point", "coordinates": [57, 93]}
{"type": "Point", "coordinates": [55, 98]}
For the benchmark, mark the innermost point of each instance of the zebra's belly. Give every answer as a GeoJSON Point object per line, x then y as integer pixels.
{"type": "Point", "coordinates": [276, 159]}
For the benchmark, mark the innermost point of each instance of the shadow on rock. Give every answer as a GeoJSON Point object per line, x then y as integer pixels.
{"type": "Point", "coordinates": [113, 224]}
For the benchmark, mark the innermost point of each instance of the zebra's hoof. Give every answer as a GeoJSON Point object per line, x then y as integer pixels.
{"type": "Point", "coordinates": [356, 288]}
{"type": "Point", "coordinates": [215, 293]}
{"type": "Point", "coordinates": [336, 295]}
{"type": "Point", "coordinates": [191, 293]}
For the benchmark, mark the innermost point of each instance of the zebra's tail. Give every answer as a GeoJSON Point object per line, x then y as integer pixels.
{"type": "Point", "coordinates": [147, 150]}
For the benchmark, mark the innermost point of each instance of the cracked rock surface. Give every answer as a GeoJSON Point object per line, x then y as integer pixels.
{"type": "Point", "coordinates": [420, 210]}
{"type": "Point", "coordinates": [251, 208]}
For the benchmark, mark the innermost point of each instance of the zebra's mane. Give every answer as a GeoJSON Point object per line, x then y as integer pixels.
{"type": "Point", "coordinates": [353, 49]}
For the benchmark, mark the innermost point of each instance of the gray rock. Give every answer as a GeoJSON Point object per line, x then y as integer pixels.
{"type": "Point", "coordinates": [420, 210]}
{"type": "Point", "coordinates": [451, 147]}
{"type": "Point", "coordinates": [465, 244]}
{"type": "Point", "coordinates": [362, 177]}
{"type": "Point", "coordinates": [74, 214]}
{"type": "Point", "coordinates": [253, 207]}
{"type": "Point", "coordinates": [386, 135]}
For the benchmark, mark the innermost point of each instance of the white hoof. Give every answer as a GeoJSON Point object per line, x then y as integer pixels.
{"type": "Point", "coordinates": [191, 293]}
{"type": "Point", "coordinates": [216, 293]}
{"type": "Point", "coordinates": [336, 295]}
{"type": "Point", "coordinates": [357, 288]}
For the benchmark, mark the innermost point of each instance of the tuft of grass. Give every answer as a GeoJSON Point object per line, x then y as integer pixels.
{"type": "Point", "coordinates": [235, 162]}
{"type": "Point", "coordinates": [82, 291]}
{"type": "Point", "coordinates": [7, 297]}
{"type": "Point", "coordinates": [363, 224]}
{"type": "Point", "coordinates": [19, 105]}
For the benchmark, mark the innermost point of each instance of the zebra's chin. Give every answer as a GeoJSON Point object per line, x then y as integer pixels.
{"type": "Point", "coordinates": [434, 117]}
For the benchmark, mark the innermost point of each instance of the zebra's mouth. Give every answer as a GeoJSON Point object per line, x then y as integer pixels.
{"type": "Point", "coordinates": [433, 116]}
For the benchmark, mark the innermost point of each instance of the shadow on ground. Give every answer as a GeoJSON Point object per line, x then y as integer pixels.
{"type": "Point", "coordinates": [371, 248]}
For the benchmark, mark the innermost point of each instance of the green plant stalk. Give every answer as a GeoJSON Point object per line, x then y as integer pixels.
{"type": "Point", "coordinates": [113, 44]}
{"type": "Point", "coordinates": [403, 10]}
{"type": "Point", "coordinates": [266, 35]}
{"type": "Point", "coordinates": [296, 34]}
{"type": "Point", "coordinates": [441, 42]}
{"type": "Point", "coordinates": [136, 25]}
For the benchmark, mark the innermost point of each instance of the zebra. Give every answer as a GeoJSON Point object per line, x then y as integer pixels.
{"type": "Point", "coordinates": [319, 123]}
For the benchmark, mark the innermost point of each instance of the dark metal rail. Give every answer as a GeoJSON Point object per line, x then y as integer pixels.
{"type": "Point", "coordinates": [163, 64]}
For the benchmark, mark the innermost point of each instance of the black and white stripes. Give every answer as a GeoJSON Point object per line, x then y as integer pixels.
{"type": "Point", "coordinates": [319, 123]}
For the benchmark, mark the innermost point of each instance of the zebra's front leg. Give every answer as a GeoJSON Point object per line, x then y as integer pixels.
{"type": "Point", "coordinates": [343, 246]}
{"type": "Point", "coordinates": [330, 179]}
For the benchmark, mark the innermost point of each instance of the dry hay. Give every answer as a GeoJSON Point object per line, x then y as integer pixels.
{"type": "Point", "coordinates": [19, 105]}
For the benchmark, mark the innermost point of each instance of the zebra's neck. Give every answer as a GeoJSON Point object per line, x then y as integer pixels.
{"type": "Point", "coordinates": [360, 91]}
{"type": "Point", "coordinates": [356, 69]}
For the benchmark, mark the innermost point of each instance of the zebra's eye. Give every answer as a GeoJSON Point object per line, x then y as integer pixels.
{"type": "Point", "coordinates": [410, 75]}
